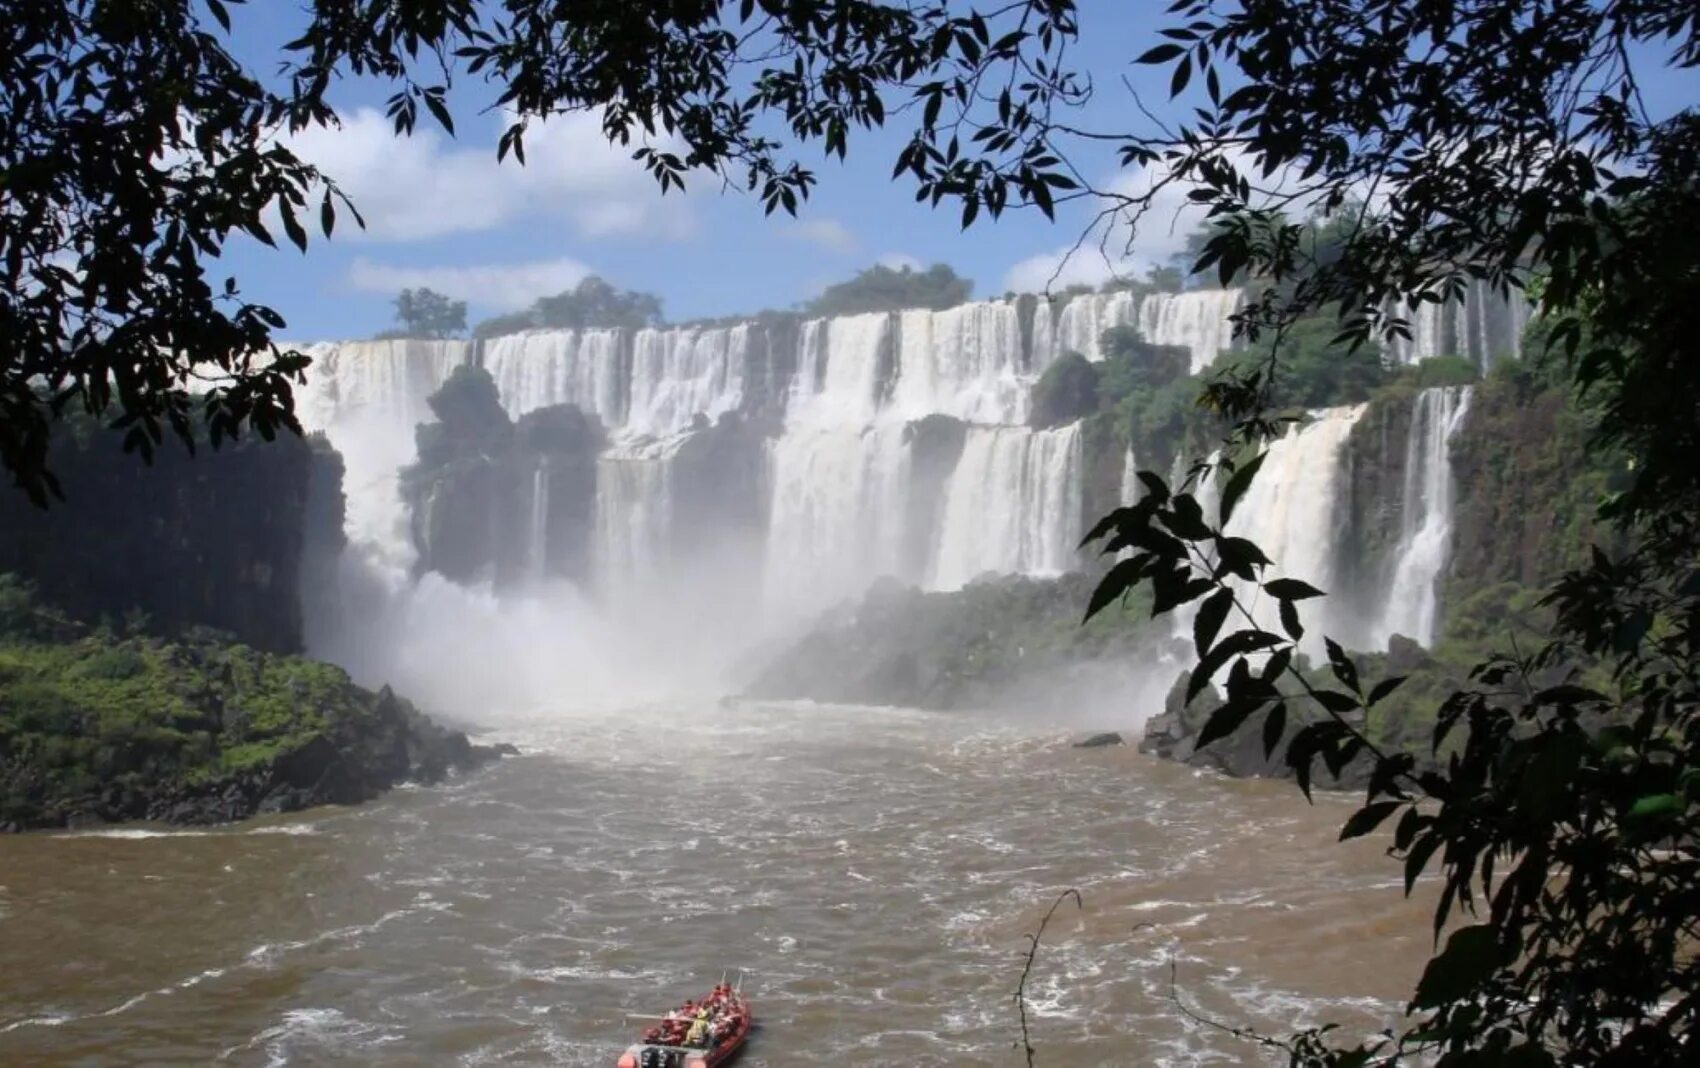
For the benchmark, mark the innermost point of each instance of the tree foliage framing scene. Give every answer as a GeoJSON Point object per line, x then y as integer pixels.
{"type": "Point", "coordinates": [1354, 164]}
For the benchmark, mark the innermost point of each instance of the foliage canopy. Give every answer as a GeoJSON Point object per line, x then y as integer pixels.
{"type": "Point", "coordinates": [134, 144]}
{"type": "Point", "coordinates": [427, 313]}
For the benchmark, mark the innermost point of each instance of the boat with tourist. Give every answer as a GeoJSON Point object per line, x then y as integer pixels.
{"type": "Point", "coordinates": [697, 1034]}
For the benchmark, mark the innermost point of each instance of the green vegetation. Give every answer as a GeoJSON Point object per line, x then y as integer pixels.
{"type": "Point", "coordinates": [882, 288]}
{"type": "Point", "coordinates": [593, 304]}
{"type": "Point", "coordinates": [1066, 391]}
{"type": "Point", "coordinates": [1562, 819]}
{"type": "Point", "coordinates": [427, 313]}
{"type": "Point", "coordinates": [97, 725]}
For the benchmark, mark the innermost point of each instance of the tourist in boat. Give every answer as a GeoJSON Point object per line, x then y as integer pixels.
{"type": "Point", "coordinates": [699, 1030]}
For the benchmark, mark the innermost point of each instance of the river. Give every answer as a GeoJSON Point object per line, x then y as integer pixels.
{"type": "Point", "coordinates": [873, 872]}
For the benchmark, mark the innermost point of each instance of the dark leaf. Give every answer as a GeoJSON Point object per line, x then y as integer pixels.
{"type": "Point", "coordinates": [1343, 667]}
{"type": "Point", "coordinates": [1238, 484]}
{"type": "Point", "coordinates": [1471, 956]}
{"type": "Point", "coordinates": [1291, 589]}
{"type": "Point", "coordinates": [1208, 622]}
{"type": "Point", "coordinates": [1368, 818]}
{"type": "Point", "coordinates": [1385, 687]}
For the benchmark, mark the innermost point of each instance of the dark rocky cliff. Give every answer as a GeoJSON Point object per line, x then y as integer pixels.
{"type": "Point", "coordinates": [216, 539]}
{"type": "Point", "coordinates": [482, 484]}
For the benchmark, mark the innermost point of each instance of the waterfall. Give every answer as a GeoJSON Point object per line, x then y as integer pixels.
{"type": "Point", "coordinates": [1077, 324]}
{"type": "Point", "coordinates": [1012, 506]}
{"type": "Point", "coordinates": [537, 532]}
{"type": "Point", "coordinates": [543, 367]}
{"type": "Point", "coordinates": [1483, 327]}
{"type": "Point", "coordinates": [1197, 320]}
{"type": "Point", "coordinates": [682, 372]}
{"type": "Point", "coordinates": [367, 397]}
{"type": "Point", "coordinates": [834, 486]}
{"type": "Point", "coordinates": [1131, 488]}
{"type": "Point", "coordinates": [838, 370]}
{"type": "Point", "coordinates": [840, 497]}
{"type": "Point", "coordinates": [964, 362]}
{"type": "Point", "coordinates": [1291, 513]}
{"type": "Point", "coordinates": [1425, 539]}
{"type": "Point", "coordinates": [633, 519]}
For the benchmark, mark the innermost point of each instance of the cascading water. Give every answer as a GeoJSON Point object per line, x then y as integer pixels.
{"type": "Point", "coordinates": [1012, 506]}
{"type": "Point", "coordinates": [1291, 513]}
{"type": "Point", "coordinates": [1197, 320]}
{"type": "Point", "coordinates": [1412, 606]}
{"type": "Point", "coordinates": [367, 397]}
{"type": "Point", "coordinates": [964, 362]}
{"type": "Point", "coordinates": [544, 367]}
{"type": "Point", "coordinates": [1078, 324]}
{"type": "Point", "coordinates": [682, 372]}
{"type": "Point", "coordinates": [838, 372]}
{"type": "Point", "coordinates": [840, 497]}
{"type": "Point", "coordinates": [838, 501]}
{"type": "Point", "coordinates": [537, 540]}
{"type": "Point", "coordinates": [634, 519]}
{"type": "Point", "coordinates": [1484, 327]}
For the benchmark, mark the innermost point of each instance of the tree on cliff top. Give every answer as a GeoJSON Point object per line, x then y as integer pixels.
{"type": "Point", "coordinates": [134, 145]}
{"type": "Point", "coordinates": [427, 313]}
{"type": "Point", "coordinates": [882, 288]}
{"type": "Point", "coordinates": [593, 304]}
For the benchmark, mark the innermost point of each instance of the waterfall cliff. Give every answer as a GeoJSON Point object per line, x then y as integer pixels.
{"type": "Point", "coordinates": [742, 476]}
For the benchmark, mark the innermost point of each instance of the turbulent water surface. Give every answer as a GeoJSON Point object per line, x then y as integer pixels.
{"type": "Point", "coordinates": [875, 872]}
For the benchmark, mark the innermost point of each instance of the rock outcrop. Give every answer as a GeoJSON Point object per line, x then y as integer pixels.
{"type": "Point", "coordinates": [97, 727]}
{"type": "Point", "coordinates": [495, 499]}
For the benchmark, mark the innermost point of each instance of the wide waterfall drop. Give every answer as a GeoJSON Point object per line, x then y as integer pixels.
{"type": "Point", "coordinates": [1198, 320]}
{"type": "Point", "coordinates": [1483, 328]}
{"type": "Point", "coordinates": [1078, 324]}
{"type": "Point", "coordinates": [839, 500]}
{"type": "Point", "coordinates": [1412, 607]}
{"type": "Point", "coordinates": [634, 519]}
{"type": "Point", "coordinates": [1012, 506]}
{"type": "Point", "coordinates": [680, 373]}
{"type": "Point", "coordinates": [838, 371]}
{"type": "Point", "coordinates": [367, 397]}
{"type": "Point", "coordinates": [964, 362]}
{"type": "Point", "coordinates": [838, 483]}
{"type": "Point", "coordinates": [1291, 512]}
{"type": "Point", "coordinates": [543, 367]}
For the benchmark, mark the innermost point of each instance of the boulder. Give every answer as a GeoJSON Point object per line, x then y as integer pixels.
{"type": "Point", "coordinates": [1099, 741]}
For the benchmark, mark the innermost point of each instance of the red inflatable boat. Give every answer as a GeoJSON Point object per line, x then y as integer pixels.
{"type": "Point", "coordinates": [698, 1034]}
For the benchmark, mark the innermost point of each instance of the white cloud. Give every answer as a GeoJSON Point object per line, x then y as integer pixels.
{"type": "Point", "coordinates": [900, 261]}
{"type": "Point", "coordinates": [1118, 247]}
{"type": "Point", "coordinates": [827, 233]}
{"type": "Point", "coordinates": [425, 186]}
{"type": "Point", "coordinates": [499, 286]}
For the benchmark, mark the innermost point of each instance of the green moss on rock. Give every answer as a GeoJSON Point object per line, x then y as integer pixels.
{"type": "Point", "coordinates": [97, 726]}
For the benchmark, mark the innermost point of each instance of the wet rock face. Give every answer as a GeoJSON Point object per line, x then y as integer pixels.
{"type": "Point", "coordinates": [216, 539]}
{"type": "Point", "coordinates": [483, 486]}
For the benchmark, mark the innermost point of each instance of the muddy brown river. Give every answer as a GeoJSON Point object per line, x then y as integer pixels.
{"type": "Point", "coordinates": [874, 874]}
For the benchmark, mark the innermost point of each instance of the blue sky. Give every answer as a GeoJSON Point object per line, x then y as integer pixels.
{"type": "Point", "coordinates": [442, 212]}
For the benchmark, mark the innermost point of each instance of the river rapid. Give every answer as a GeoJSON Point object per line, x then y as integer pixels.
{"type": "Point", "coordinates": [874, 872]}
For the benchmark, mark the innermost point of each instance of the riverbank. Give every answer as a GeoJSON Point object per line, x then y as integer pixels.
{"type": "Point", "coordinates": [100, 725]}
